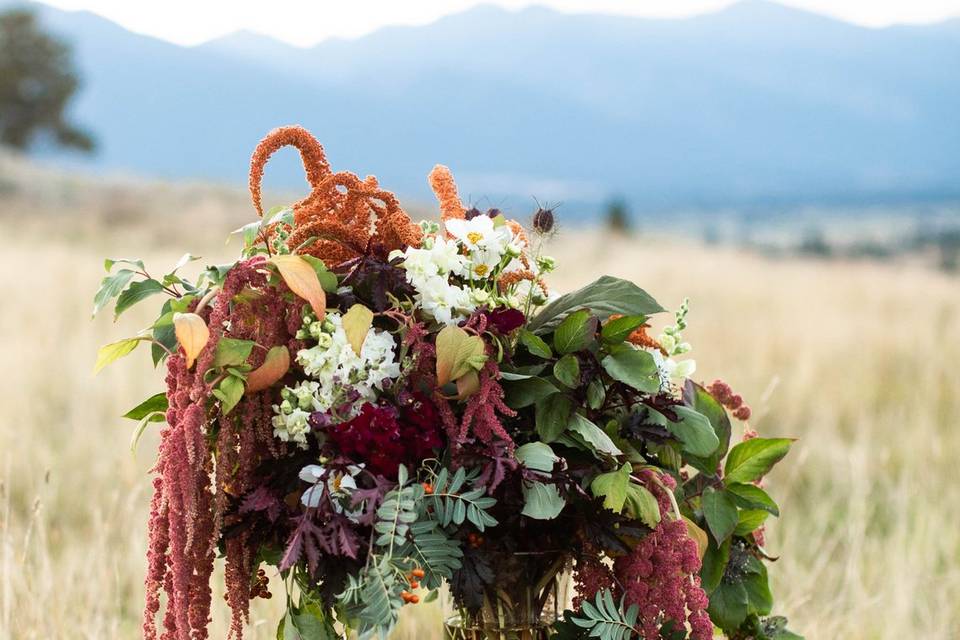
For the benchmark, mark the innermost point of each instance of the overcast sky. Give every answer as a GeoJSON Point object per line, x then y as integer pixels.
{"type": "Point", "coordinates": [306, 22]}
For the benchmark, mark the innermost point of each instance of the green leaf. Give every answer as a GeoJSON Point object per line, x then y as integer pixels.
{"type": "Point", "coordinates": [110, 287]}
{"type": "Point", "coordinates": [136, 292]}
{"type": "Point", "coordinates": [714, 564]}
{"type": "Point", "coordinates": [750, 496]}
{"type": "Point", "coordinates": [720, 511]}
{"type": "Point", "coordinates": [759, 597]}
{"type": "Point", "coordinates": [553, 415]}
{"type": "Point", "coordinates": [694, 432]}
{"type": "Point", "coordinates": [616, 331]}
{"type": "Point", "coordinates": [753, 458]}
{"type": "Point", "coordinates": [596, 394]}
{"type": "Point", "coordinates": [642, 505]}
{"type": "Point", "coordinates": [702, 402]}
{"type": "Point", "coordinates": [633, 367]}
{"type": "Point", "coordinates": [114, 351]}
{"type": "Point", "coordinates": [541, 501]}
{"type": "Point", "coordinates": [232, 352]}
{"type": "Point", "coordinates": [328, 280]}
{"type": "Point", "coordinates": [728, 605]}
{"type": "Point", "coordinates": [109, 263]}
{"type": "Point", "coordinates": [567, 371]}
{"type": "Point", "coordinates": [749, 520]}
{"type": "Point", "coordinates": [155, 403]}
{"type": "Point", "coordinates": [524, 393]}
{"type": "Point", "coordinates": [156, 416]}
{"type": "Point", "coordinates": [537, 456]}
{"type": "Point", "coordinates": [535, 344]}
{"type": "Point", "coordinates": [229, 392]}
{"type": "Point", "coordinates": [593, 435]}
{"type": "Point", "coordinates": [612, 487]}
{"type": "Point", "coordinates": [604, 297]}
{"type": "Point", "coordinates": [575, 332]}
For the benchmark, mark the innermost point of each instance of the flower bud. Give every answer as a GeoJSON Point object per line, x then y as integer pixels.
{"type": "Point", "coordinates": [472, 213]}
{"type": "Point", "coordinates": [543, 220]}
{"type": "Point", "coordinates": [546, 264]}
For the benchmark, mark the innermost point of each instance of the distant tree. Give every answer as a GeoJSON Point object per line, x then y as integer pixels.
{"type": "Point", "coordinates": [37, 80]}
{"type": "Point", "coordinates": [618, 217]}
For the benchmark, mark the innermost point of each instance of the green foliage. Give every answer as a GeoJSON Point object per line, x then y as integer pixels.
{"type": "Point", "coordinates": [750, 496]}
{"type": "Point", "coordinates": [700, 400]}
{"type": "Point", "coordinates": [114, 351]}
{"type": "Point", "coordinates": [753, 458]}
{"type": "Point", "coordinates": [604, 297]}
{"type": "Point", "coordinates": [523, 393]}
{"type": "Point", "coordinates": [433, 550]}
{"type": "Point", "coordinates": [111, 286]}
{"type": "Point", "coordinates": [633, 367]}
{"type": "Point", "coordinates": [567, 371]}
{"type": "Point", "coordinates": [229, 391]}
{"type": "Point", "coordinates": [575, 332]}
{"type": "Point", "coordinates": [694, 431]}
{"type": "Point", "coordinates": [397, 512]}
{"type": "Point", "coordinates": [608, 621]}
{"type": "Point", "coordinates": [542, 501]}
{"type": "Point", "coordinates": [618, 330]}
{"type": "Point", "coordinates": [156, 403]}
{"type": "Point", "coordinates": [552, 416]}
{"type": "Point", "coordinates": [620, 492]}
{"type": "Point", "coordinates": [231, 352]}
{"type": "Point", "coordinates": [136, 292]}
{"type": "Point", "coordinates": [720, 512]}
{"type": "Point", "coordinates": [534, 344]}
{"type": "Point", "coordinates": [596, 439]}
{"type": "Point", "coordinates": [537, 456]}
{"type": "Point", "coordinates": [454, 501]}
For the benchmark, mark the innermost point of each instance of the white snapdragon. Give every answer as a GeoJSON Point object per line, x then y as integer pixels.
{"type": "Point", "coordinates": [672, 371]}
{"type": "Point", "coordinates": [335, 373]}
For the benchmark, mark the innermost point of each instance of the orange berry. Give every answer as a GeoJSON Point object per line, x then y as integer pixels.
{"type": "Point", "coordinates": [427, 488]}
{"type": "Point", "coordinates": [414, 584]}
{"type": "Point", "coordinates": [414, 599]}
{"type": "Point", "coordinates": [418, 573]}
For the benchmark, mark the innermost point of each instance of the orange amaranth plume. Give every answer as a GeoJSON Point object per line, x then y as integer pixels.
{"type": "Point", "coordinates": [343, 214]}
{"type": "Point", "coordinates": [445, 189]}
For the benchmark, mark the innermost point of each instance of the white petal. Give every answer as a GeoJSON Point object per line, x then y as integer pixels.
{"type": "Point", "coordinates": [311, 473]}
{"type": "Point", "coordinates": [311, 497]}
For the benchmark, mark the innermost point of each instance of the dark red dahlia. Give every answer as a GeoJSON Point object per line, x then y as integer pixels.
{"type": "Point", "coordinates": [504, 319]}
{"type": "Point", "coordinates": [383, 437]}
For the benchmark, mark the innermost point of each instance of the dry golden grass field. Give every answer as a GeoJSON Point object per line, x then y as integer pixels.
{"type": "Point", "coordinates": [858, 360]}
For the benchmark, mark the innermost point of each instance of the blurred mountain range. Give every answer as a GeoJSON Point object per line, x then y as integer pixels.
{"type": "Point", "coordinates": [755, 104]}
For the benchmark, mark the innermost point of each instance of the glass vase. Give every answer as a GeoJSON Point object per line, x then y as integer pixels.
{"type": "Point", "coordinates": [522, 602]}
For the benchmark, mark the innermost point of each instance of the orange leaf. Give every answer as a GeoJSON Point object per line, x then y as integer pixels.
{"type": "Point", "coordinates": [192, 334]}
{"type": "Point", "coordinates": [303, 281]}
{"type": "Point", "coordinates": [274, 367]}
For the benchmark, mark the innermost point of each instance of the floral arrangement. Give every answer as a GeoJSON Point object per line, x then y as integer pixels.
{"type": "Point", "coordinates": [361, 409]}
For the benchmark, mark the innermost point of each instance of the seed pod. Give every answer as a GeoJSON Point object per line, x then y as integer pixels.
{"type": "Point", "coordinates": [543, 220]}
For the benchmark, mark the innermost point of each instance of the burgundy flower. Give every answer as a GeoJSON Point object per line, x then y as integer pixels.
{"type": "Point", "coordinates": [384, 437]}
{"type": "Point", "coordinates": [505, 320]}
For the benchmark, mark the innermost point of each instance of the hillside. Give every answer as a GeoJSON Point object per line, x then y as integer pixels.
{"type": "Point", "coordinates": [758, 103]}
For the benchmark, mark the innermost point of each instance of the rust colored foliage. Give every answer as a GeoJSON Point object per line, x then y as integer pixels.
{"type": "Point", "coordinates": [343, 214]}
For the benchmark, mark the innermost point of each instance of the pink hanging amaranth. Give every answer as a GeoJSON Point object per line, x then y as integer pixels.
{"type": "Point", "coordinates": [660, 574]}
{"type": "Point", "coordinates": [481, 418]}
{"type": "Point", "coordinates": [193, 486]}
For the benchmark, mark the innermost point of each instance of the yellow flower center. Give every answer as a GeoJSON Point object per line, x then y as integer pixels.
{"type": "Point", "coordinates": [481, 270]}
{"type": "Point", "coordinates": [337, 480]}
{"type": "Point", "coordinates": [474, 237]}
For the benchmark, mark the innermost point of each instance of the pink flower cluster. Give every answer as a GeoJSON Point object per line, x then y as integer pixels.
{"type": "Point", "coordinates": [660, 574]}
{"type": "Point", "coordinates": [733, 401]}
